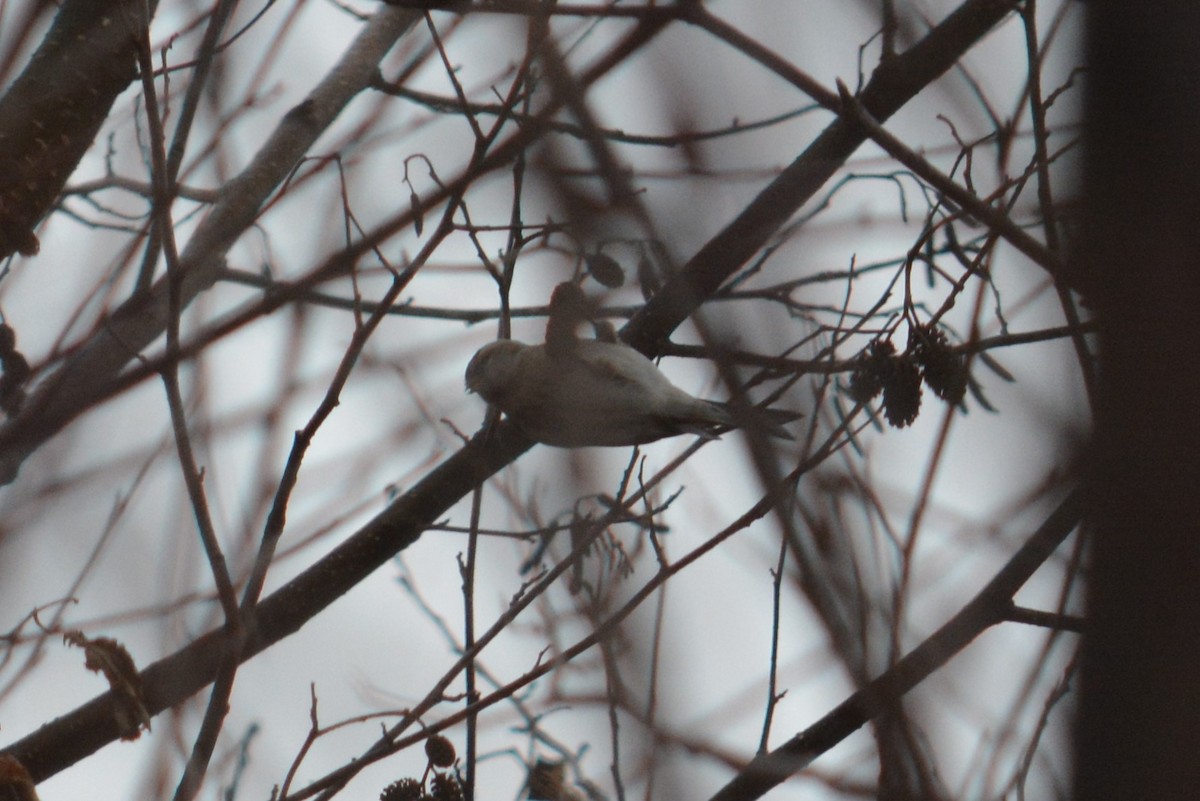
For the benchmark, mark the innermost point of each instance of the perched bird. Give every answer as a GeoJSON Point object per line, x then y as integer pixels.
{"type": "Point", "coordinates": [599, 393]}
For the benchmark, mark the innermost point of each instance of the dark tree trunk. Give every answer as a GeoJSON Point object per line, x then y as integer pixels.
{"type": "Point", "coordinates": [1139, 721]}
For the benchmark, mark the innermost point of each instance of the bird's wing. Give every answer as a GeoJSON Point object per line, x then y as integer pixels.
{"type": "Point", "coordinates": [618, 365]}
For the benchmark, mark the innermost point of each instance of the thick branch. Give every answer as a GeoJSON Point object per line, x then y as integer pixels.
{"type": "Point", "coordinates": [64, 741]}
{"type": "Point", "coordinates": [51, 113]}
{"type": "Point", "coordinates": [142, 319]}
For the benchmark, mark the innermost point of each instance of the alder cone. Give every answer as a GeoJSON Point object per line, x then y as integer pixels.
{"type": "Point", "coordinates": [902, 391]}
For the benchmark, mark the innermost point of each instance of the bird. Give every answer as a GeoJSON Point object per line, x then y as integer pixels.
{"type": "Point", "coordinates": [598, 393]}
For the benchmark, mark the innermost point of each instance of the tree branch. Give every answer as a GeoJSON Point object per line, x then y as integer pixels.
{"type": "Point", "coordinates": [61, 743]}
{"type": "Point", "coordinates": [87, 375]}
{"type": "Point", "coordinates": [989, 607]}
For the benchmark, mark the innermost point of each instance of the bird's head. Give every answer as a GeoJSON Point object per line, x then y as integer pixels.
{"type": "Point", "coordinates": [491, 368]}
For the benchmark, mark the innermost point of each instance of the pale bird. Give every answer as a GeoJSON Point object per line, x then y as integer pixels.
{"type": "Point", "coordinates": [599, 393]}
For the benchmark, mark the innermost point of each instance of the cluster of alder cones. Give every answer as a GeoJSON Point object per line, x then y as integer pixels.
{"type": "Point", "coordinates": [928, 358]}
{"type": "Point", "coordinates": [439, 782]}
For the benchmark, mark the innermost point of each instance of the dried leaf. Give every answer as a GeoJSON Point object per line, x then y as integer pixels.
{"type": "Point", "coordinates": [107, 656]}
{"type": "Point", "coordinates": [414, 202]}
{"type": "Point", "coordinates": [15, 782]}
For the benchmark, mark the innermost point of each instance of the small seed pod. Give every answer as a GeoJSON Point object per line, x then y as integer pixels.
{"type": "Point", "coordinates": [445, 787]}
{"type": "Point", "coordinates": [945, 371]}
{"type": "Point", "coordinates": [605, 270]}
{"type": "Point", "coordinates": [440, 751]}
{"type": "Point", "coordinates": [902, 391]}
{"type": "Point", "coordinates": [871, 369]}
{"type": "Point", "coordinates": [403, 790]}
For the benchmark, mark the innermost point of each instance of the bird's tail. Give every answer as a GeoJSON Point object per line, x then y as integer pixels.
{"type": "Point", "coordinates": [760, 419]}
